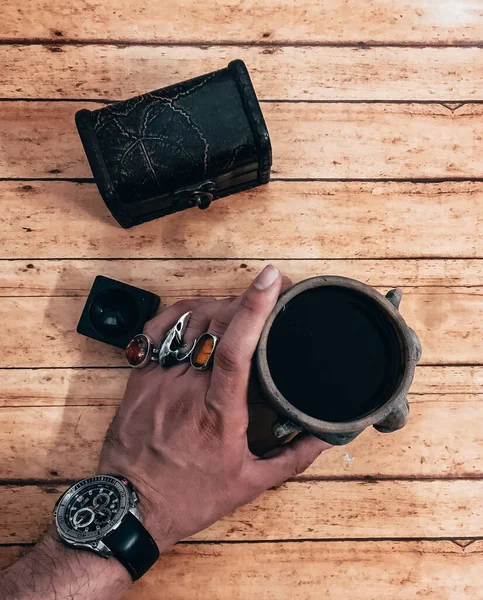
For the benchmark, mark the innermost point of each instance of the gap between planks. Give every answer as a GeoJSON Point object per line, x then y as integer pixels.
{"type": "Point", "coordinates": [462, 543]}
{"type": "Point", "coordinates": [445, 103]}
{"type": "Point", "coordinates": [366, 479]}
{"type": "Point", "coordinates": [203, 44]}
{"type": "Point", "coordinates": [426, 180]}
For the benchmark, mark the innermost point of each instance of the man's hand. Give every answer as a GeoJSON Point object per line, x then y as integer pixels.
{"type": "Point", "coordinates": [180, 435]}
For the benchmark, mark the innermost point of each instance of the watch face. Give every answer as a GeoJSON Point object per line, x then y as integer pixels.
{"type": "Point", "coordinates": [92, 508]}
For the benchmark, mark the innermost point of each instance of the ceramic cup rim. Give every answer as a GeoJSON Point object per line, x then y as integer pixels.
{"type": "Point", "coordinates": [281, 404]}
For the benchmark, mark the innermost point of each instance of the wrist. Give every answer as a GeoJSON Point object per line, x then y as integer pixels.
{"type": "Point", "coordinates": [157, 517]}
{"type": "Point", "coordinates": [52, 570]}
{"type": "Point", "coordinates": [155, 512]}
{"type": "Point", "coordinates": [98, 569]}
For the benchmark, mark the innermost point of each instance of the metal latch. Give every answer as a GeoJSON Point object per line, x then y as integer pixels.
{"type": "Point", "coordinates": [200, 195]}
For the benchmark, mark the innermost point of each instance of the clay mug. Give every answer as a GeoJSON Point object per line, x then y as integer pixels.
{"type": "Point", "coordinates": [335, 357]}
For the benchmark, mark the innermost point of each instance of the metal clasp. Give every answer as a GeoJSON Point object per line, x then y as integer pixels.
{"type": "Point", "coordinates": [200, 195]}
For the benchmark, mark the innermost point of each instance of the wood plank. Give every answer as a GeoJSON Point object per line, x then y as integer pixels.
{"type": "Point", "coordinates": [105, 387]}
{"type": "Point", "coordinates": [278, 73]}
{"type": "Point", "coordinates": [52, 443]}
{"type": "Point", "coordinates": [449, 322]}
{"type": "Point", "coordinates": [35, 501]}
{"type": "Point", "coordinates": [384, 509]}
{"type": "Point", "coordinates": [439, 442]}
{"type": "Point", "coordinates": [334, 141]}
{"type": "Point", "coordinates": [82, 387]}
{"type": "Point", "coordinates": [281, 220]}
{"type": "Point", "coordinates": [443, 439]}
{"type": "Point", "coordinates": [447, 380]}
{"type": "Point", "coordinates": [300, 510]}
{"type": "Point", "coordinates": [336, 570]}
{"type": "Point", "coordinates": [323, 21]}
{"type": "Point", "coordinates": [71, 277]}
{"type": "Point", "coordinates": [10, 554]}
{"type": "Point", "coordinates": [433, 570]}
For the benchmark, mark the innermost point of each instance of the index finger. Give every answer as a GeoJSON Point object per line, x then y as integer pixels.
{"type": "Point", "coordinates": [233, 356]}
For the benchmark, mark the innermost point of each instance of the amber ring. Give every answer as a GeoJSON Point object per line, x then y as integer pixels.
{"type": "Point", "coordinates": [203, 352]}
{"type": "Point", "coordinates": [141, 351]}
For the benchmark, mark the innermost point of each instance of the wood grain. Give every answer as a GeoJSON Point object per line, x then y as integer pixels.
{"type": "Point", "coordinates": [54, 420]}
{"type": "Point", "coordinates": [325, 21]}
{"type": "Point", "coordinates": [10, 554]}
{"type": "Point", "coordinates": [280, 220]}
{"type": "Point", "coordinates": [41, 332]}
{"type": "Point", "coordinates": [440, 441]}
{"type": "Point", "coordinates": [300, 510]}
{"type": "Point", "coordinates": [433, 570]}
{"type": "Point", "coordinates": [336, 570]}
{"type": "Point", "coordinates": [52, 443]}
{"type": "Point", "coordinates": [422, 482]}
{"type": "Point", "coordinates": [278, 72]}
{"type": "Point", "coordinates": [176, 278]}
{"type": "Point", "coordinates": [63, 442]}
{"type": "Point", "coordinates": [333, 141]}
{"type": "Point", "coordinates": [30, 512]}
{"type": "Point", "coordinates": [105, 387]}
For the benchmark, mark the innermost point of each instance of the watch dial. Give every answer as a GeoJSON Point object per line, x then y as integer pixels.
{"type": "Point", "coordinates": [92, 508]}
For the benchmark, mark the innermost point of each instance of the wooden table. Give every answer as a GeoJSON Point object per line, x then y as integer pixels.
{"type": "Point", "coordinates": [375, 112]}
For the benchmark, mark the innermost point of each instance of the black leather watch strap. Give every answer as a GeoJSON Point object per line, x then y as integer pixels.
{"type": "Point", "coordinates": [133, 547]}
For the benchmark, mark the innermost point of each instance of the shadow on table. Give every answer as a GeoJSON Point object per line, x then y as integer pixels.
{"type": "Point", "coordinates": [262, 417]}
{"type": "Point", "coordinates": [90, 378]}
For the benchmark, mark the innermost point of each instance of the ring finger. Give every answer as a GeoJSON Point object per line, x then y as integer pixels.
{"type": "Point", "coordinates": [200, 321]}
{"type": "Point", "coordinates": [216, 325]}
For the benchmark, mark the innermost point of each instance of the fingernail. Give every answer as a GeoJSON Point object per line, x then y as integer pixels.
{"type": "Point", "coordinates": [266, 278]}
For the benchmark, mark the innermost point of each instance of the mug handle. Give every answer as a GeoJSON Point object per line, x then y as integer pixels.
{"type": "Point", "coordinates": [397, 419]}
{"type": "Point", "coordinates": [285, 427]}
{"type": "Point", "coordinates": [395, 296]}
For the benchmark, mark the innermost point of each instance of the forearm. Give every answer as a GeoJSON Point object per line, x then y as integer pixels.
{"type": "Point", "coordinates": [52, 571]}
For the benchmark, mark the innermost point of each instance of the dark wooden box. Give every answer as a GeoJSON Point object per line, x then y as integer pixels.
{"type": "Point", "coordinates": [178, 147]}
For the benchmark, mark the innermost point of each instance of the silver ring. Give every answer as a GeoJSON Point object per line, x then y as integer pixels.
{"type": "Point", "coordinates": [141, 349]}
{"type": "Point", "coordinates": [203, 352]}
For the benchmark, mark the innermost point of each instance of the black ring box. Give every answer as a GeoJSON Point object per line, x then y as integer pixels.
{"type": "Point", "coordinates": [178, 147]}
{"type": "Point", "coordinates": [115, 312]}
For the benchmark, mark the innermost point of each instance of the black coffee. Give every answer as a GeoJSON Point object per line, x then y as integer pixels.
{"type": "Point", "coordinates": [333, 354]}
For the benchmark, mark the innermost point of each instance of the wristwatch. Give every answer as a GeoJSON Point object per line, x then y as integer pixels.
{"type": "Point", "coordinates": [101, 514]}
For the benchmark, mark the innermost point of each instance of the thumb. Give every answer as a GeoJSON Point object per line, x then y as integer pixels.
{"type": "Point", "coordinates": [288, 460]}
